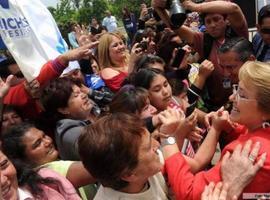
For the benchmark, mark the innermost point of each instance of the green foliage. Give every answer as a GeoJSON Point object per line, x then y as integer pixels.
{"type": "Point", "coordinates": [64, 12]}
{"type": "Point", "coordinates": [83, 15]}
{"type": "Point", "coordinates": [82, 11]}
{"type": "Point", "coordinates": [99, 8]}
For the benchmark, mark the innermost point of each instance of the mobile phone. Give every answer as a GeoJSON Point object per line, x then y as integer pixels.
{"type": "Point", "coordinates": [190, 109]}
{"type": "Point", "coordinates": [143, 45]}
{"type": "Point", "coordinates": [150, 12]}
{"type": "Point", "coordinates": [178, 57]}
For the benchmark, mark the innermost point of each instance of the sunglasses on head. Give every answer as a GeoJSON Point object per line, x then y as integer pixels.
{"type": "Point", "coordinates": [265, 30]}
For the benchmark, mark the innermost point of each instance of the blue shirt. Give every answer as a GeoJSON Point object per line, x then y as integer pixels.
{"type": "Point", "coordinates": [110, 23]}
{"type": "Point", "coordinates": [258, 45]}
{"type": "Point", "coordinates": [72, 40]}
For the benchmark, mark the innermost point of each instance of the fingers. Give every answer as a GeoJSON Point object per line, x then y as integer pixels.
{"type": "Point", "coordinates": [211, 188]}
{"type": "Point", "coordinates": [187, 48]}
{"type": "Point", "coordinates": [164, 115]}
{"type": "Point", "coordinates": [208, 119]}
{"type": "Point", "coordinates": [225, 158]}
{"type": "Point", "coordinates": [237, 150]}
{"type": "Point", "coordinates": [246, 149]}
{"type": "Point", "coordinates": [195, 136]}
{"type": "Point", "coordinates": [224, 191]}
{"type": "Point", "coordinates": [254, 151]}
{"type": "Point", "coordinates": [157, 135]}
{"type": "Point", "coordinates": [205, 193]}
{"type": "Point", "coordinates": [9, 80]}
{"type": "Point", "coordinates": [217, 190]}
{"type": "Point", "coordinates": [259, 164]}
{"type": "Point", "coordinates": [162, 118]}
{"type": "Point", "coordinates": [206, 68]}
{"type": "Point", "coordinates": [212, 192]}
{"type": "Point", "coordinates": [135, 48]}
{"type": "Point", "coordinates": [220, 111]}
{"type": "Point", "coordinates": [34, 84]}
{"type": "Point", "coordinates": [92, 44]}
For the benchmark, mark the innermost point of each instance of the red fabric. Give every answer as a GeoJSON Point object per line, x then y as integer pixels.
{"type": "Point", "coordinates": [115, 82]}
{"type": "Point", "coordinates": [18, 96]}
{"type": "Point", "coordinates": [188, 186]}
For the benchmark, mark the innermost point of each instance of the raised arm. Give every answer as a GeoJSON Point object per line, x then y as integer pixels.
{"type": "Point", "coordinates": [232, 10]}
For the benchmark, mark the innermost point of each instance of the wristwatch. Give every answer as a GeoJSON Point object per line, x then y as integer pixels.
{"type": "Point", "coordinates": [168, 141]}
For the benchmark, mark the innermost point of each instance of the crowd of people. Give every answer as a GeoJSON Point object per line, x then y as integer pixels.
{"type": "Point", "coordinates": [145, 113]}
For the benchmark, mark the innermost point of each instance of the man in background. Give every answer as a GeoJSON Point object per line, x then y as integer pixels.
{"type": "Point", "coordinates": [109, 22]}
{"type": "Point", "coordinates": [261, 41]}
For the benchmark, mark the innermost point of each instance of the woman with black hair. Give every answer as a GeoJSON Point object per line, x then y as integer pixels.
{"type": "Point", "coordinates": [30, 184]}
{"type": "Point", "coordinates": [129, 22]}
{"type": "Point", "coordinates": [29, 144]}
{"type": "Point", "coordinates": [64, 100]}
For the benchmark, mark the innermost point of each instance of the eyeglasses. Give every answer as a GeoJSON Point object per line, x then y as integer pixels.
{"type": "Point", "coordinates": [237, 95]}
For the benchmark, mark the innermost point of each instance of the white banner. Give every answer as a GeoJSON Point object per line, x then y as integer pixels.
{"type": "Point", "coordinates": [30, 33]}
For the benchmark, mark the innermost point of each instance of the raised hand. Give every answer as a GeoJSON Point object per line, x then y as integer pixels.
{"type": "Point", "coordinates": [33, 88]}
{"type": "Point", "coordinates": [83, 36]}
{"type": "Point", "coordinates": [78, 53]}
{"type": "Point", "coordinates": [195, 135]}
{"type": "Point", "coordinates": [159, 6]}
{"type": "Point", "coordinates": [170, 119]}
{"type": "Point", "coordinates": [219, 120]}
{"type": "Point", "coordinates": [206, 68]}
{"type": "Point", "coordinates": [187, 125]}
{"type": "Point", "coordinates": [4, 86]}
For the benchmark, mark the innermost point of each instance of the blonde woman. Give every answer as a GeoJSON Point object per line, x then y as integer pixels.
{"type": "Point", "coordinates": [115, 60]}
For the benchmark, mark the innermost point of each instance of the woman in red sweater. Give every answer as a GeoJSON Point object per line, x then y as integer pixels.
{"type": "Point", "coordinates": [250, 115]}
{"type": "Point", "coordinates": [115, 60]}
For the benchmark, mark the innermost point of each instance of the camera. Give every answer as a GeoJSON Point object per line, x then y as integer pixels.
{"type": "Point", "coordinates": [149, 14]}
{"type": "Point", "coordinates": [143, 45]}
{"type": "Point", "coordinates": [177, 13]}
